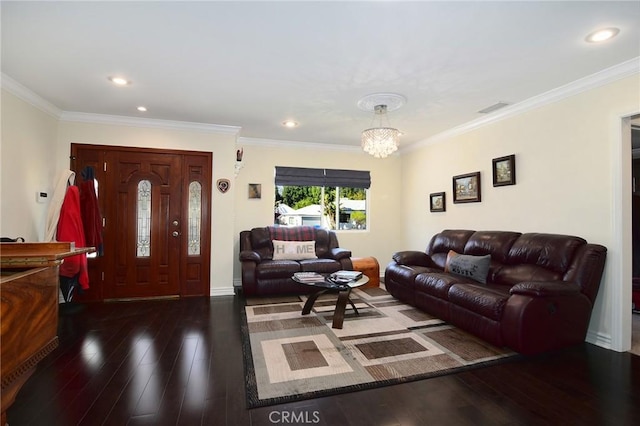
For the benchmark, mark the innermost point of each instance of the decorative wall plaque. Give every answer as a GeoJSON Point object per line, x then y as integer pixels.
{"type": "Point", "coordinates": [223, 185]}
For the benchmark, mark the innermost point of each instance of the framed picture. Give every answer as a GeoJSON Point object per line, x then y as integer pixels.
{"type": "Point", "coordinates": [466, 188]}
{"type": "Point", "coordinates": [437, 202]}
{"type": "Point", "coordinates": [255, 191]}
{"type": "Point", "coordinates": [504, 170]}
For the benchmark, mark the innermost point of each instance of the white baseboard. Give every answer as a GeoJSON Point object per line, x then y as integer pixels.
{"type": "Point", "coordinates": [224, 291]}
{"type": "Point", "coordinates": [599, 339]}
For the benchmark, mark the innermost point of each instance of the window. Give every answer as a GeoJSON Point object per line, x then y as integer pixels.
{"type": "Point", "coordinates": [144, 219]}
{"type": "Point", "coordinates": [195, 217]}
{"type": "Point", "coordinates": [332, 199]}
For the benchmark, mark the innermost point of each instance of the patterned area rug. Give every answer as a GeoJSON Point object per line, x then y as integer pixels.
{"type": "Point", "coordinates": [289, 357]}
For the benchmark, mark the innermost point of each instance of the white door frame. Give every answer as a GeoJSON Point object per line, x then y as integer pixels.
{"type": "Point", "coordinates": [620, 255]}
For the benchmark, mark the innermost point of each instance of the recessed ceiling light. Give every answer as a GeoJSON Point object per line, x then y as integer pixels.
{"type": "Point", "coordinates": [119, 81]}
{"type": "Point", "coordinates": [290, 123]}
{"type": "Point", "coordinates": [602, 35]}
{"type": "Point", "coordinates": [142, 108]}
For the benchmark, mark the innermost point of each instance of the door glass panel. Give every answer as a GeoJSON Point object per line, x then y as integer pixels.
{"type": "Point", "coordinates": [195, 217]}
{"type": "Point", "coordinates": [144, 219]}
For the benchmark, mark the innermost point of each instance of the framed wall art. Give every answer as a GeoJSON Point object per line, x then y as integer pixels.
{"type": "Point", "coordinates": [504, 170]}
{"type": "Point", "coordinates": [466, 188]}
{"type": "Point", "coordinates": [255, 191]}
{"type": "Point", "coordinates": [437, 202]}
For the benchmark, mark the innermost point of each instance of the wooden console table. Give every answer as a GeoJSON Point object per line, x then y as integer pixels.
{"type": "Point", "coordinates": [28, 310]}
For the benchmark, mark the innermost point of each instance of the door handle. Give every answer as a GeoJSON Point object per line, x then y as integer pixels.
{"type": "Point", "coordinates": [175, 233]}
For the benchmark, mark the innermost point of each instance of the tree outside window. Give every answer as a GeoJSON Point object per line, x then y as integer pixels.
{"type": "Point", "coordinates": [319, 206]}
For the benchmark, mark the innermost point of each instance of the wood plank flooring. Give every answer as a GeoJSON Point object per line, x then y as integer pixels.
{"type": "Point", "coordinates": [179, 362]}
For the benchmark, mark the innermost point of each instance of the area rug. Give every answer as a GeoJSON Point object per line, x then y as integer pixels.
{"type": "Point", "coordinates": [290, 357]}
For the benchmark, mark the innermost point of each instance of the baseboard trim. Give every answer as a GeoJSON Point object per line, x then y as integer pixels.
{"type": "Point", "coordinates": [224, 291]}
{"type": "Point", "coordinates": [599, 339]}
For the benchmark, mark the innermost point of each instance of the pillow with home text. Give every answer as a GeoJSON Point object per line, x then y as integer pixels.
{"type": "Point", "coordinates": [294, 250]}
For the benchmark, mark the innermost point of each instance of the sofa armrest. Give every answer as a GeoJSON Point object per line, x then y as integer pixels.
{"type": "Point", "coordinates": [546, 288]}
{"type": "Point", "coordinates": [250, 255]}
{"type": "Point", "coordinates": [412, 257]}
{"type": "Point", "coordinates": [338, 253]}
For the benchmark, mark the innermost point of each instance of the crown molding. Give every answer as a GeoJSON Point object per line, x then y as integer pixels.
{"type": "Point", "coordinates": [601, 78]}
{"type": "Point", "coordinates": [10, 85]}
{"type": "Point", "coordinates": [82, 117]}
{"type": "Point", "coordinates": [276, 143]}
{"type": "Point", "coordinates": [27, 95]}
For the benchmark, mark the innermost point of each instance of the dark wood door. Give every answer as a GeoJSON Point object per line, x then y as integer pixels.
{"type": "Point", "coordinates": [146, 214]}
{"type": "Point", "coordinates": [146, 198]}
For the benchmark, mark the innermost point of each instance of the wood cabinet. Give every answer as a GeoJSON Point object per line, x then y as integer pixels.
{"type": "Point", "coordinates": [28, 310]}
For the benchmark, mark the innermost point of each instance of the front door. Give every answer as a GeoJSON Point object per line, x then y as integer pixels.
{"type": "Point", "coordinates": [147, 199]}
{"type": "Point", "coordinates": [146, 215]}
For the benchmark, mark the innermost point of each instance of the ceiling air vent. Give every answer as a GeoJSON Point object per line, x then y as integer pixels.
{"type": "Point", "coordinates": [492, 108]}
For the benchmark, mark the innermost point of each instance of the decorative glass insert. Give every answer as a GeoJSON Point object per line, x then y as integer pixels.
{"type": "Point", "coordinates": [195, 217]}
{"type": "Point", "coordinates": [143, 245]}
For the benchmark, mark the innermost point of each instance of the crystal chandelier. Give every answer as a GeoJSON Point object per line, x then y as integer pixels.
{"type": "Point", "coordinates": [383, 140]}
{"type": "Point", "coordinates": [380, 141]}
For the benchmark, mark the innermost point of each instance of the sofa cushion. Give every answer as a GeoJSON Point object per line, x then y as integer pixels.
{"type": "Point", "coordinates": [277, 269]}
{"type": "Point", "coordinates": [294, 250]}
{"type": "Point", "coordinates": [550, 251]}
{"type": "Point", "coordinates": [514, 274]}
{"type": "Point", "coordinates": [488, 302]}
{"type": "Point", "coordinates": [449, 239]}
{"type": "Point", "coordinates": [437, 284]}
{"type": "Point", "coordinates": [495, 243]}
{"type": "Point", "coordinates": [261, 242]}
{"type": "Point", "coordinates": [474, 267]}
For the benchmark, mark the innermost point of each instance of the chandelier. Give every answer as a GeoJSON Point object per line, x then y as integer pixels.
{"type": "Point", "coordinates": [381, 141]}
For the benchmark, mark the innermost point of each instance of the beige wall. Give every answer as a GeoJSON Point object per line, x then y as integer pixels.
{"type": "Point", "coordinates": [565, 173]}
{"type": "Point", "coordinates": [260, 158]}
{"type": "Point", "coordinates": [27, 147]}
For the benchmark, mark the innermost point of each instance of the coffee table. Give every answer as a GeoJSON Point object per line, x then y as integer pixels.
{"type": "Point", "coordinates": [343, 291]}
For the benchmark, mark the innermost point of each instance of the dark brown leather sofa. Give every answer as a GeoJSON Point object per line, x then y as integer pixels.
{"type": "Point", "coordinates": [263, 276]}
{"type": "Point", "coordinates": [539, 293]}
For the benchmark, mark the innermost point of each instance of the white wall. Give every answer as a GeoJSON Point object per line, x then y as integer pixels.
{"type": "Point", "coordinates": [260, 158]}
{"type": "Point", "coordinates": [28, 145]}
{"type": "Point", "coordinates": [564, 162]}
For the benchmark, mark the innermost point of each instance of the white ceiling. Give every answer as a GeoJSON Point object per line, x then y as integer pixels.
{"type": "Point", "coordinates": [255, 64]}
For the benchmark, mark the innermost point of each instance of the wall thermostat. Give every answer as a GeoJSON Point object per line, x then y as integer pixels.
{"type": "Point", "coordinates": [41, 197]}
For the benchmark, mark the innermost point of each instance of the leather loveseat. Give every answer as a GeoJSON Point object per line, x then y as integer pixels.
{"type": "Point", "coordinates": [539, 291]}
{"type": "Point", "coordinates": [262, 275]}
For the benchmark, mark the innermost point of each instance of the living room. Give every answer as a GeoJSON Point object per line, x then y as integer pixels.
{"type": "Point", "coordinates": [571, 142]}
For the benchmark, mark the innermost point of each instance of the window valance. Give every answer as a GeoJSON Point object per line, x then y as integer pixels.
{"type": "Point", "coordinates": [300, 176]}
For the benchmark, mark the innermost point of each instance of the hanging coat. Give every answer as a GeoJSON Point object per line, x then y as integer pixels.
{"type": "Point", "coordinates": [66, 178]}
{"type": "Point", "coordinates": [70, 229]}
{"type": "Point", "coordinates": [90, 211]}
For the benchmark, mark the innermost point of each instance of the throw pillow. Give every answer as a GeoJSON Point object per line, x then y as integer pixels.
{"type": "Point", "coordinates": [294, 250]}
{"type": "Point", "coordinates": [474, 267]}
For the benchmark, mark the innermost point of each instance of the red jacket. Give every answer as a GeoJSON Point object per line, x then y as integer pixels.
{"type": "Point", "coordinates": [70, 229]}
{"type": "Point", "coordinates": [91, 217]}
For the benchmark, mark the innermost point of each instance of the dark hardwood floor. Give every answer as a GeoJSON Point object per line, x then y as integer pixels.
{"type": "Point", "coordinates": [179, 362]}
